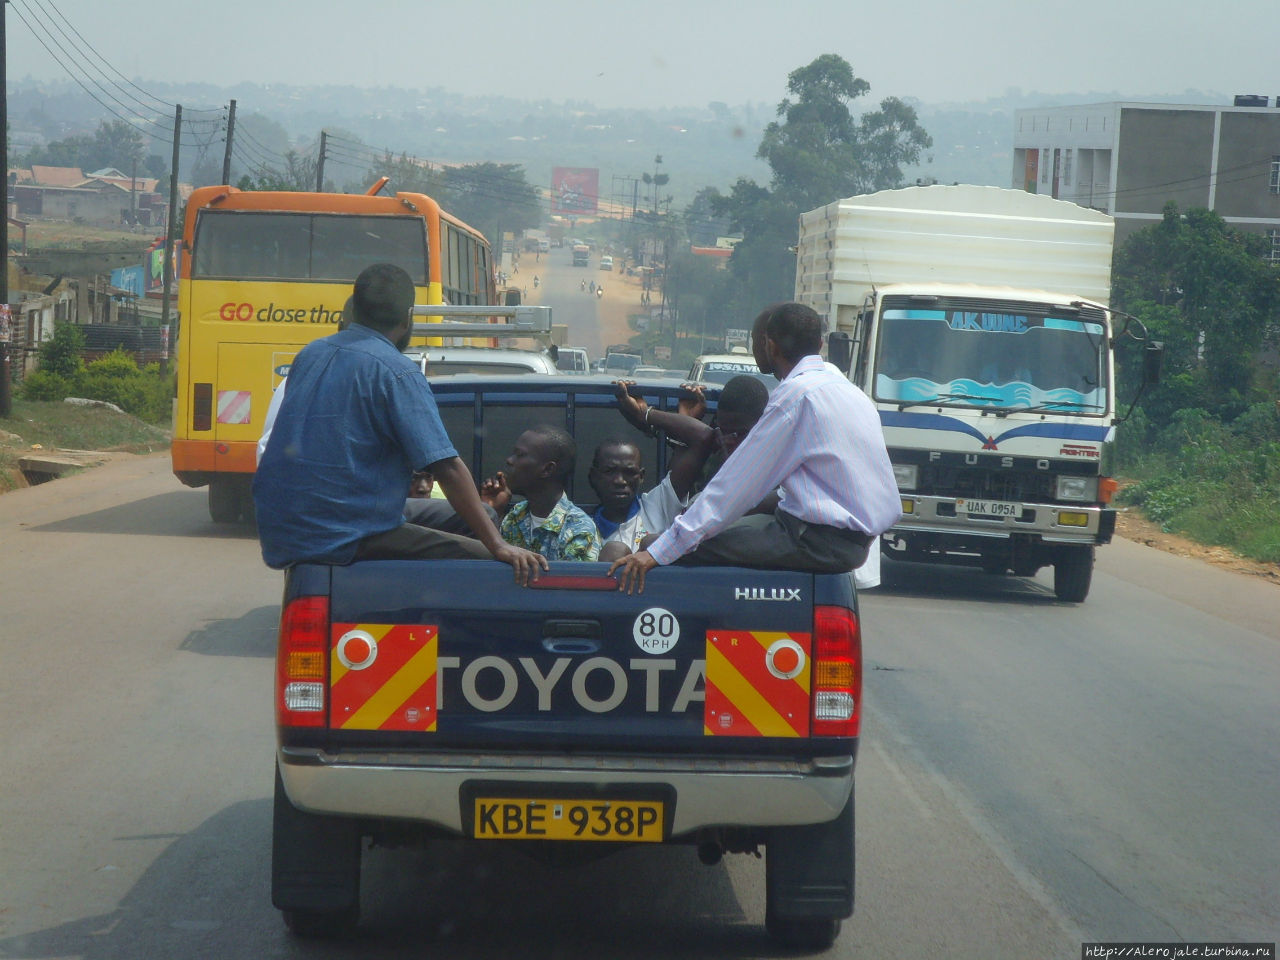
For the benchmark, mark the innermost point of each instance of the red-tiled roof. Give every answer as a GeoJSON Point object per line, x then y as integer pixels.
{"type": "Point", "coordinates": [58, 176]}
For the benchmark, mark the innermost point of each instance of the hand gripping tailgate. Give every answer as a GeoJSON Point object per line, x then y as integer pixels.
{"type": "Point", "coordinates": [454, 654]}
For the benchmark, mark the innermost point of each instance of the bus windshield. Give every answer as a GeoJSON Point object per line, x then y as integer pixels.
{"type": "Point", "coordinates": [246, 245]}
{"type": "Point", "coordinates": [993, 355]}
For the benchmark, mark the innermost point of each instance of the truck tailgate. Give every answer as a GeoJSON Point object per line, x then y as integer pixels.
{"type": "Point", "coordinates": [435, 655]}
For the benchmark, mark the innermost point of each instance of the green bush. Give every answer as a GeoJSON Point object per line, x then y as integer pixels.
{"type": "Point", "coordinates": [60, 354]}
{"type": "Point", "coordinates": [115, 378]}
{"type": "Point", "coordinates": [43, 385]}
{"type": "Point", "coordinates": [116, 364]}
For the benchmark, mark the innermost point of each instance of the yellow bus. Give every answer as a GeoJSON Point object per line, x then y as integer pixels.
{"type": "Point", "coordinates": [262, 274]}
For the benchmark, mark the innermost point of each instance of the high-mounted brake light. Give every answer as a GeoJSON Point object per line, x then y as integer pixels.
{"type": "Point", "coordinates": [302, 663]}
{"type": "Point", "coordinates": [837, 672]}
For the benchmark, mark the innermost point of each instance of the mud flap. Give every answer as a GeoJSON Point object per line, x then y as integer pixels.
{"type": "Point", "coordinates": [809, 869]}
{"type": "Point", "coordinates": [315, 860]}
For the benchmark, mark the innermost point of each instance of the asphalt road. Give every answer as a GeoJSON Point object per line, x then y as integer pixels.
{"type": "Point", "coordinates": [1032, 774]}
{"type": "Point", "coordinates": [593, 323]}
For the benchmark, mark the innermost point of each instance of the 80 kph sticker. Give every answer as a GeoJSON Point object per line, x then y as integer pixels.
{"type": "Point", "coordinates": [656, 630]}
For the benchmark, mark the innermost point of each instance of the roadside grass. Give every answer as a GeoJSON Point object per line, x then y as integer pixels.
{"type": "Point", "coordinates": [1213, 483]}
{"type": "Point", "coordinates": [65, 426]}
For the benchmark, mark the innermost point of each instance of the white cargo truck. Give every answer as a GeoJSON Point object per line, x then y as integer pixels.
{"type": "Point", "coordinates": [977, 320]}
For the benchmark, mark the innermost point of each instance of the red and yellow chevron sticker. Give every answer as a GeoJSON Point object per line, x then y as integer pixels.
{"type": "Point", "coordinates": [383, 677]}
{"type": "Point", "coordinates": [757, 684]}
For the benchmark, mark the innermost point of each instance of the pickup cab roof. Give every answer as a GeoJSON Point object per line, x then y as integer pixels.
{"type": "Point", "coordinates": [450, 361]}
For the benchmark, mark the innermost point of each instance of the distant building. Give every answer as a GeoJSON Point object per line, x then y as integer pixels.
{"type": "Point", "coordinates": [1130, 159]}
{"type": "Point", "coordinates": [105, 198]}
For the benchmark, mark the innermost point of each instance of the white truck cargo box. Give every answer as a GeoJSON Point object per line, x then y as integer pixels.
{"type": "Point", "coordinates": [950, 234]}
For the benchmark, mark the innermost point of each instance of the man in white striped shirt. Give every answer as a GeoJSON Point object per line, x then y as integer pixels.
{"type": "Point", "coordinates": [819, 441]}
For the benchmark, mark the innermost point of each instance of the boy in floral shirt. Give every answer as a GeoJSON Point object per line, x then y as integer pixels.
{"type": "Point", "coordinates": [546, 521]}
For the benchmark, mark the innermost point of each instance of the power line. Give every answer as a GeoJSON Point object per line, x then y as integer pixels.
{"type": "Point", "coordinates": [92, 50]}
{"type": "Point", "coordinates": [130, 119]}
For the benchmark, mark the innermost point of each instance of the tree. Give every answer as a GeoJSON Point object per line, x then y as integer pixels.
{"type": "Point", "coordinates": [817, 153]}
{"type": "Point", "coordinates": [701, 222]}
{"type": "Point", "coordinates": [1206, 290]}
{"type": "Point", "coordinates": [298, 173]}
{"type": "Point", "coordinates": [491, 197]}
{"type": "Point", "coordinates": [115, 144]}
{"type": "Point", "coordinates": [408, 174]}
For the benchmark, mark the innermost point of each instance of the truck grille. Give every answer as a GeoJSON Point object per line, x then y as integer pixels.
{"type": "Point", "coordinates": [981, 484]}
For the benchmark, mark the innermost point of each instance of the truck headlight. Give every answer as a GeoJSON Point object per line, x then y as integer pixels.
{"type": "Point", "coordinates": [1077, 488]}
{"type": "Point", "coordinates": [907, 475]}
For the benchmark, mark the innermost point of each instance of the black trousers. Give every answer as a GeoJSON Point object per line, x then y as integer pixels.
{"type": "Point", "coordinates": [780, 541]}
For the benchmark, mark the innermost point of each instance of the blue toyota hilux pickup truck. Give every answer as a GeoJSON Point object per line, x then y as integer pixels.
{"type": "Point", "coordinates": [416, 699]}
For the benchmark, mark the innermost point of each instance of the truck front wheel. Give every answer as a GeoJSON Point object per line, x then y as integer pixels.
{"type": "Point", "coordinates": [1073, 573]}
{"type": "Point", "coordinates": [809, 881]}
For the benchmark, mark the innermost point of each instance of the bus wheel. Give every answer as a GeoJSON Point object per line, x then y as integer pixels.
{"type": "Point", "coordinates": [224, 499]}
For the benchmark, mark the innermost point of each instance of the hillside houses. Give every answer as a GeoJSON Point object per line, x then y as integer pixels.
{"type": "Point", "coordinates": [105, 198]}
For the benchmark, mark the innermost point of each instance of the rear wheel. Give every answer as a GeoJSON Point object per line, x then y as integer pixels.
{"type": "Point", "coordinates": [315, 869]}
{"type": "Point", "coordinates": [224, 499]}
{"type": "Point", "coordinates": [1073, 573]}
{"type": "Point", "coordinates": [804, 933]}
{"type": "Point", "coordinates": [321, 924]}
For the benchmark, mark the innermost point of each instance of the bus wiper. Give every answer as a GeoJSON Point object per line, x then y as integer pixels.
{"type": "Point", "coordinates": [933, 402]}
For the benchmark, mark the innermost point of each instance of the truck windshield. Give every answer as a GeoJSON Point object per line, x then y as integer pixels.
{"type": "Point", "coordinates": [993, 355]}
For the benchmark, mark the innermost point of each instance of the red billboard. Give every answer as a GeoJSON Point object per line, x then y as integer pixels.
{"type": "Point", "coordinates": [575, 191]}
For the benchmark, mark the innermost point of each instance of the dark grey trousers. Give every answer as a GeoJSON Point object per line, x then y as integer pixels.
{"type": "Point", "coordinates": [412, 542]}
{"type": "Point", "coordinates": [779, 541]}
{"type": "Point", "coordinates": [432, 531]}
{"type": "Point", "coordinates": [437, 514]}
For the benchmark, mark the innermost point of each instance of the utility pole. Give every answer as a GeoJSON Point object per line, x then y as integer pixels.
{"type": "Point", "coordinates": [167, 253]}
{"type": "Point", "coordinates": [320, 163]}
{"type": "Point", "coordinates": [6, 403]}
{"type": "Point", "coordinates": [226, 156]}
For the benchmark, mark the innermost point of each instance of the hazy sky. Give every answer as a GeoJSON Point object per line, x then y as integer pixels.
{"type": "Point", "coordinates": [666, 52]}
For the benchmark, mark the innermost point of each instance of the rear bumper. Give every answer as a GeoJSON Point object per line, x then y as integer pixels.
{"type": "Point", "coordinates": [197, 459]}
{"type": "Point", "coordinates": [427, 788]}
{"type": "Point", "coordinates": [938, 515]}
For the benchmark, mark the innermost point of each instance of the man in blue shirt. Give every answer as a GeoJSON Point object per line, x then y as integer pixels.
{"type": "Point", "coordinates": [357, 421]}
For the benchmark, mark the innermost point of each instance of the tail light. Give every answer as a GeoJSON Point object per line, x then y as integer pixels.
{"type": "Point", "coordinates": [202, 407]}
{"type": "Point", "coordinates": [837, 672]}
{"type": "Point", "coordinates": [302, 660]}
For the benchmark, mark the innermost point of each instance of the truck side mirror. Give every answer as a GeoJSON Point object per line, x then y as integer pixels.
{"type": "Point", "coordinates": [840, 350]}
{"type": "Point", "coordinates": [1152, 358]}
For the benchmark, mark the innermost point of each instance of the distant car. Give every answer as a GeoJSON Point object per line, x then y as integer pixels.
{"type": "Point", "coordinates": [720, 368]}
{"type": "Point", "coordinates": [573, 360]}
{"type": "Point", "coordinates": [621, 362]}
{"type": "Point", "coordinates": [645, 370]}
{"type": "Point", "coordinates": [444, 361]}
{"type": "Point", "coordinates": [606, 262]}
